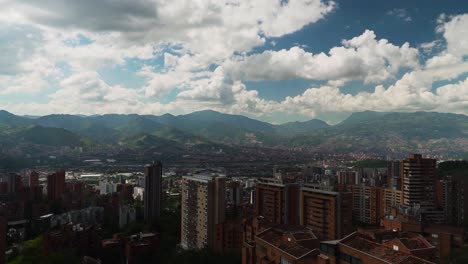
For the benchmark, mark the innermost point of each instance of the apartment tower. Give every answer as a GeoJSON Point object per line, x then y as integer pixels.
{"type": "Point", "coordinates": [55, 185]}
{"type": "Point", "coordinates": [277, 201]}
{"type": "Point", "coordinates": [203, 207]}
{"type": "Point", "coordinates": [419, 181]}
{"type": "Point", "coordinates": [153, 192]}
{"type": "Point", "coordinates": [328, 214]}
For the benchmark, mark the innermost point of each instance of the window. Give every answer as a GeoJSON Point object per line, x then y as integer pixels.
{"type": "Point", "coordinates": [395, 247]}
{"type": "Point", "coordinates": [284, 261]}
{"type": "Point", "coordinates": [435, 235]}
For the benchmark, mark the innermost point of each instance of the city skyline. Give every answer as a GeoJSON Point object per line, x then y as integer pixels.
{"type": "Point", "coordinates": [277, 62]}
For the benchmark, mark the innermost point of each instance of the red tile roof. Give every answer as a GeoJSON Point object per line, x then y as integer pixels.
{"type": "Point", "coordinates": [381, 252]}
{"type": "Point", "coordinates": [287, 238]}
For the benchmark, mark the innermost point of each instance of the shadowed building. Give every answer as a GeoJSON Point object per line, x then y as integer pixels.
{"type": "Point", "coordinates": [419, 181]}
{"type": "Point", "coordinates": [153, 192]}
{"type": "Point", "coordinates": [55, 185]}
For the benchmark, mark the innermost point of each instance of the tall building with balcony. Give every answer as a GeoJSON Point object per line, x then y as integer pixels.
{"type": "Point", "coordinates": [153, 192]}
{"type": "Point", "coordinates": [203, 208]}
{"type": "Point", "coordinates": [328, 214]}
{"type": "Point", "coordinates": [368, 204]}
{"type": "Point", "coordinates": [419, 181]}
{"type": "Point", "coordinates": [277, 201]}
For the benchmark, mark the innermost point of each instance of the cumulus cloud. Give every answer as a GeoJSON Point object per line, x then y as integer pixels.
{"type": "Point", "coordinates": [360, 58]}
{"type": "Point", "coordinates": [87, 92]}
{"type": "Point", "coordinates": [208, 32]}
{"type": "Point", "coordinates": [227, 25]}
{"type": "Point", "coordinates": [208, 53]}
{"type": "Point", "coordinates": [455, 30]}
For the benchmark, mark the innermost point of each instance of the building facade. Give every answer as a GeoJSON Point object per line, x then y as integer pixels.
{"type": "Point", "coordinates": [328, 214]}
{"type": "Point", "coordinates": [203, 209]}
{"type": "Point", "coordinates": [277, 201]}
{"type": "Point", "coordinates": [153, 192]}
{"type": "Point", "coordinates": [55, 185]}
{"type": "Point", "coordinates": [419, 181]}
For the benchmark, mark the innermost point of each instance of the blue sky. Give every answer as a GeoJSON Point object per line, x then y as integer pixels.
{"type": "Point", "coordinates": [274, 61]}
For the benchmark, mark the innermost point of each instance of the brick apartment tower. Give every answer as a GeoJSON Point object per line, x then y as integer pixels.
{"type": "Point", "coordinates": [153, 192]}
{"type": "Point", "coordinates": [368, 204]}
{"type": "Point", "coordinates": [277, 202]}
{"type": "Point", "coordinates": [419, 177]}
{"type": "Point", "coordinates": [55, 185]}
{"type": "Point", "coordinates": [203, 207]}
{"type": "Point", "coordinates": [328, 214]}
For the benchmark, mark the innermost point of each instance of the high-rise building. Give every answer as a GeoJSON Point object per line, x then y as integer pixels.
{"type": "Point", "coordinates": [368, 204]}
{"type": "Point", "coordinates": [419, 181]}
{"type": "Point", "coordinates": [277, 201]}
{"type": "Point", "coordinates": [153, 192]}
{"type": "Point", "coordinates": [233, 199]}
{"type": "Point", "coordinates": [394, 174]}
{"type": "Point", "coordinates": [203, 208]}
{"type": "Point", "coordinates": [13, 182]}
{"type": "Point", "coordinates": [392, 199]}
{"type": "Point", "coordinates": [328, 214]}
{"type": "Point", "coordinates": [452, 199]}
{"type": "Point", "coordinates": [55, 185]}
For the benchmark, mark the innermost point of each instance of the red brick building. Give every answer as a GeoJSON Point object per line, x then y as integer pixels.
{"type": "Point", "coordinates": [328, 214]}
{"type": "Point", "coordinates": [277, 201]}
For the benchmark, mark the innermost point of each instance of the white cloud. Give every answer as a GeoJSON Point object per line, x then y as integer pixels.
{"type": "Point", "coordinates": [413, 92]}
{"type": "Point", "coordinates": [360, 58]}
{"type": "Point", "coordinates": [86, 92]}
{"type": "Point", "coordinates": [208, 32]}
{"type": "Point", "coordinates": [193, 37]}
{"type": "Point", "coordinates": [455, 32]}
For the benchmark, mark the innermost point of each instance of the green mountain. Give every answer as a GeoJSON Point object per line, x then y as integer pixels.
{"type": "Point", "coordinates": [361, 132]}
{"type": "Point", "coordinates": [360, 117]}
{"type": "Point", "coordinates": [48, 136]}
{"type": "Point", "coordinates": [83, 126]}
{"type": "Point", "coordinates": [145, 140]}
{"type": "Point", "coordinates": [10, 120]}
{"type": "Point", "coordinates": [393, 132]}
{"type": "Point", "coordinates": [297, 128]}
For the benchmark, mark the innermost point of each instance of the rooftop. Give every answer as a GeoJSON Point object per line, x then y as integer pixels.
{"type": "Point", "coordinates": [415, 241]}
{"type": "Point", "coordinates": [381, 252]}
{"type": "Point", "coordinates": [289, 239]}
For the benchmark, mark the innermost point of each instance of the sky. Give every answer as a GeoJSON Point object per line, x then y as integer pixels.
{"type": "Point", "coordinates": [275, 61]}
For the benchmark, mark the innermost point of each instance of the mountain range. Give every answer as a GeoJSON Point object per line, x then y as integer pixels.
{"type": "Point", "coordinates": [363, 131]}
